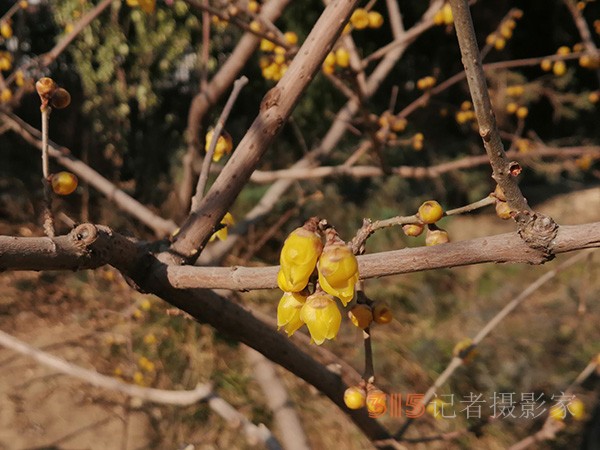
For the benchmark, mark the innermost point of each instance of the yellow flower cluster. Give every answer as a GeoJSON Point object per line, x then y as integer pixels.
{"type": "Point", "coordinates": [428, 214]}
{"type": "Point", "coordinates": [361, 19]}
{"type": "Point", "coordinates": [466, 113]}
{"type": "Point", "coordinates": [520, 111]}
{"type": "Point", "coordinates": [498, 38]}
{"type": "Point", "coordinates": [275, 63]}
{"type": "Point", "coordinates": [339, 58]}
{"type": "Point", "coordinates": [444, 16]}
{"type": "Point", "coordinates": [337, 269]}
{"type": "Point", "coordinates": [426, 83]}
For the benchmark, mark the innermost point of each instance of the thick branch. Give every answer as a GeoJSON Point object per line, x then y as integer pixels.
{"type": "Point", "coordinates": [71, 252]}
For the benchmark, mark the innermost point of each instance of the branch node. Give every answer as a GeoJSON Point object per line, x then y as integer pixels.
{"type": "Point", "coordinates": [538, 231]}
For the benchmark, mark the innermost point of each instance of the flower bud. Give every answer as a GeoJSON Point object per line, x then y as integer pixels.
{"type": "Point", "coordinates": [288, 312]}
{"type": "Point", "coordinates": [63, 183]}
{"type": "Point", "coordinates": [376, 402]}
{"type": "Point", "coordinates": [355, 397]}
{"type": "Point", "coordinates": [382, 313]}
{"type": "Point", "coordinates": [45, 87]}
{"type": "Point", "coordinates": [224, 144]}
{"type": "Point", "coordinates": [430, 211]}
{"type": "Point", "coordinates": [322, 317]}
{"type": "Point", "coordinates": [412, 229]}
{"type": "Point", "coordinates": [60, 99]}
{"type": "Point", "coordinates": [503, 210]}
{"type": "Point", "coordinates": [361, 316]}
{"type": "Point", "coordinates": [436, 236]}
{"type": "Point", "coordinates": [338, 271]}
{"type": "Point", "coordinates": [298, 258]}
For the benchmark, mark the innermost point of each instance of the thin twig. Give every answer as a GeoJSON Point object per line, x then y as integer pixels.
{"type": "Point", "coordinates": [48, 219]}
{"type": "Point", "coordinates": [203, 179]}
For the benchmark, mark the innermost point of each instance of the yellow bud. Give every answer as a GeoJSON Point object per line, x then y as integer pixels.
{"type": "Point", "coordinates": [435, 237]}
{"type": "Point", "coordinates": [355, 397]}
{"type": "Point", "coordinates": [559, 68]}
{"type": "Point", "coordinates": [330, 59]}
{"type": "Point", "coordinates": [290, 38]}
{"type": "Point", "coordinates": [375, 19]}
{"type": "Point", "coordinates": [564, 50]}
{"type": "Point", "coordinates": [522, 112]}
{"type": "Point", "coordinates": [398, 124]}
{"type": "Point", "coordinates": [500, 43]}
{"type": "Point", "coordinates": [466, 105]}
{"type": "Point", "coordinates": [45, 87]}
{"type": "Point", "coordinates": [255, 26]}
{"type": "Point", "coordinates": [376, 402]}
{"type": "Point", "coordinates": [593, 97]}
{"type": "Point", "coordinates": [447, 14]}
{"type": "Point", "coordinates": [361, 316]}
{"type": "Point", "coordinates": [430, 211]}
{"type": "Point", "coordinates": [360, 18]}
{"type": "Point", "coordinates": [558, 412]}
{"type": "Point", "coordinates": [5, 95]}
{"type": "Point", "coordinates": [342, 57]}
{"type": "Point", "coordinates": [288, 312]}
{"type": "Point", "coordinates": [412, 229]}
{"type": "Point", "coordinates": [253, 7]}
{"type": "Point", "coordinates": [382, 314]}
{"type": "Point", "coordinates": [266, 45]}
{"type": "Point", "coordinates": [6, 30]}
{"type": "Point", "coordinates": [322, 317]}
{"type": "Point", "coordinates": [546, 65]}
{"type": "Point", "coordinates": [338, 271]}
{"type": "Point", "coordinates": [512, 107]}
{"type": "Point", "coordinates": [327, 69]}
{"type": "Point", "coordinates": [463, 348]}
{"type": "Point", "coordinates": [224, 144]}
{"type": "Point", "coordinates": [434, 408]}
{"type": "Point", "coordinates": [63, 183]}
{"type": "Point", "coordinates": [499, 194]}
{"type": "Point", "coordinates": [577, 409]}
{"type": "Point", "coordinates": [298, 258]}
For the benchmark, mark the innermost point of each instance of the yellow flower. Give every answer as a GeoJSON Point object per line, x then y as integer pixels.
{"type": "Point", "coordinates": [227, 221]}
{"type": "Point", "coordinates": [375, 19]}
{"type": "Point", "coordinates": [338, 271]}
{"type": "Point", "coordinates": [288, 312]}
{"type": "Point", "coordinates": [290, 38]}
{"type": "Point", "coordinates": [146, 5]}
{"type": "Point", "coordinates": [6, 30]}
{"type": "Point", "coordinates": [224, 144]}
{"type": "Point", "coordinates": [361, 316]}
{"type": "Point", "coordinates": [298, 258]}
{"type": "Point", "coordinates": [321, 315]}
{"type": "Point", "coordinates": [360, 19]}
{"type": "Point", "coordinates": [342, 57]}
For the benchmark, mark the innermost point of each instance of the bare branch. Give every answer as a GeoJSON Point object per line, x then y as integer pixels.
{"type": "Point", "coordinates": [483, 106]}
{"type": "Point", "coordinates": [199, 393]}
